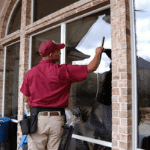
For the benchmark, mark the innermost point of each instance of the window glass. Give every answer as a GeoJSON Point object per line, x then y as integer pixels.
{"type": "Point", "coordinates": [53, 34]}
{"type": "Point", "coordinates": [43, 8]}
{"type": "Point", "coordinates": [90, 100]}
{"type": "Point", "coordinates": [15, 21]}
{"type": "Point", "coordinates": [142, 11]}
{"type": "Point", "coordinates": [11, 80]}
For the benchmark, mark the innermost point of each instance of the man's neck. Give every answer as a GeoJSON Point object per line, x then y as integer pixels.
{"type": "Point", "coordinates": [45, 59]}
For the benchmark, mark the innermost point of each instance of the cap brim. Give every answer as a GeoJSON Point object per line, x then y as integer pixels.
{"type": "Point", "coordinates": [60, 46]}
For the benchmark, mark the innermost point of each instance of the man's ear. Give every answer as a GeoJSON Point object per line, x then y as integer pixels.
{"type": "Point", "coordinates": [51, 55]}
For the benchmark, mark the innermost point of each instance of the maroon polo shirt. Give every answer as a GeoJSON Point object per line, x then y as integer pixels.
{"type": "Point", "coordinates": [48, 84]}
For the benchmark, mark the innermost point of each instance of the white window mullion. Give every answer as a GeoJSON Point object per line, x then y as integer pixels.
{"type": "Point", "coordinates": [134, 79]}
{"type": "Point", "coordinates": [4, 74]}
{"type": "Point", "coordinates": [30, 53]}
{"type": "Point", "coordinates": [63, 40]}
{"type": "Point", "coordinates": [32, 10]}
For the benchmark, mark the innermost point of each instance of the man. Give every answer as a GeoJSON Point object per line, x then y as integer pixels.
{"type": "Point", "coordinates": [47, 86]}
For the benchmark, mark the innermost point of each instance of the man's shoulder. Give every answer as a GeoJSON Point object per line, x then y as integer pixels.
{"type": "Point", "coordinates": [30, 72]}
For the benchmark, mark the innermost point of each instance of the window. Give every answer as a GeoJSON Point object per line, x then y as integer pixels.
{"type": "Point", "coordinates": [46, 7]}
{"type": "Point", "coordinates": [15, 19]}
{"type": "Point", "coordinates": [11, 80]}
{"type": "Point", "coordinates": [143, 72]}
{"type": "Point", "coordinates": [90, 100]}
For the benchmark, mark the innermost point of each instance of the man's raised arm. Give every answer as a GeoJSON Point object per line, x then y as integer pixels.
{"type": "Point", "coordinates": [93, 65]}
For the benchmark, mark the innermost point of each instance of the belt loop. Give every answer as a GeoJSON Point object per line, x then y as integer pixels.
{"type": "Point", "coordinates": [49, 113]}
{"type": "Point", "coordinates": [59, 112]}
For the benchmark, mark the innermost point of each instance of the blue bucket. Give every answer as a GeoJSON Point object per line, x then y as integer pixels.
{"type": "Point", "coordinates": [4, 124]}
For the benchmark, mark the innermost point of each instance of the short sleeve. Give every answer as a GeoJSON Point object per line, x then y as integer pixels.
{"type": "Point", "coordinates": [77, 73]}
{"type": "Point", "coordinates": [25, 87]}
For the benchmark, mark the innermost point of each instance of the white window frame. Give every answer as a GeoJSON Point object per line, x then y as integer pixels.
{"type": "Point", "coordinates": [134, 78]}
{"type": "Point", "coordinates": [63, 40]}
{"type": "Point", "coordinates": [63, 60]}
{"type": "Point", "coordinates": [32, 11]}
{"type": "Point", "coordinates": [10, 16]}
{"type": "Point", "coordinates": [4, 75]}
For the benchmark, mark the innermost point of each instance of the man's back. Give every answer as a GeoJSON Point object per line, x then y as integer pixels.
{"type": "Point", "coordinates": [49, 83]}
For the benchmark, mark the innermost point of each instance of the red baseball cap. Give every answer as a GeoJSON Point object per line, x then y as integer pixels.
{"type": "Point", "coordinates": [48, 47]}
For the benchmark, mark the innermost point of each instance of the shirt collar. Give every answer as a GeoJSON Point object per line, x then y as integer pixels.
{"type": "Point", "coordinates": [46, 61]}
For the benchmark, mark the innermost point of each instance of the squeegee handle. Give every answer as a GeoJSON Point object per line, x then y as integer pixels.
{"type": "Point", "coordinates": [103, 39]}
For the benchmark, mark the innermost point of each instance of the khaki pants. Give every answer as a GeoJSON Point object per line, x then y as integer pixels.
{"type": "Point", "coordinates": [48, 134]}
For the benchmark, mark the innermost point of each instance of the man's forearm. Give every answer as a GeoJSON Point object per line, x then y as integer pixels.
{"type": "Point", "coordinates": [93, 65]}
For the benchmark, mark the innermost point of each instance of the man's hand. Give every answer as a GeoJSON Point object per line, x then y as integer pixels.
{"type": "Point", "coordinates": [98, 50]}
{"type": "Point", "coordinates": [26, 98]}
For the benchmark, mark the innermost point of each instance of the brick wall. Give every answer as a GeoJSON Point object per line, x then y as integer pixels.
{"type": "Point", "coordinates": [24, 57]}
{"type": "Point", "coordinates": [121, 76]}
{"type": "Point", "coordinates": [1, 76]}
{"type": "Point", "coordinates": [121, 57]}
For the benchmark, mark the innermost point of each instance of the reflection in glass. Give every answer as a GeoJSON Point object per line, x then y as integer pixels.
{"type": "Point", "coordinates": [15, 21]}
{"type": "Point", "coordinates": [53, 34]}
{"type": "Point", "coordinates": [11, 80]}
{"type": "Point", "coordinates": [43, 8]}
{"type": "Point", "coordinates": [90, 100]}
{"type": "Point", "coordinates": [143, 71]}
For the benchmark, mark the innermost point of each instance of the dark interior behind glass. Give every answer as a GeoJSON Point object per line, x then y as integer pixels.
{"type": "Point", "coordinates": [11, 80]}
{"type": "Point", "coordinates": [43, 8]}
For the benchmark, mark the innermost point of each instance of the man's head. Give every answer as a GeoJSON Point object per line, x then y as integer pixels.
{"type": "Point", "coordinates": [50, 50]}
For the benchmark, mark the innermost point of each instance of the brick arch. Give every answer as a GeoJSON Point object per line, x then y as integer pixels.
{"type": "Point", "coordinates": [5, 16]}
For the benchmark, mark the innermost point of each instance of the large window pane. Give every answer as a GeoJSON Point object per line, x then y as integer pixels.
{"type": "Point", "coordinates": [15, 21]}
{"type": "Point", "coordinates": [43, 8]}
{"type": "Point", "coordinates": [11, 80]}
{"type": "Point", "coordinates": [90, 100]}
{"type": "Point", "coordinates": [53, 34]}
{"type": "Point", "coordinates": [143, 71]}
